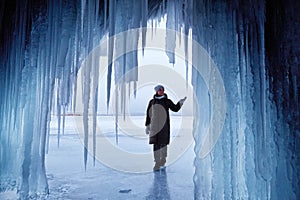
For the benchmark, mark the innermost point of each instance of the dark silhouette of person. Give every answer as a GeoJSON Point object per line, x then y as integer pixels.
{"type": "Point", "coordinates": [158, 124]}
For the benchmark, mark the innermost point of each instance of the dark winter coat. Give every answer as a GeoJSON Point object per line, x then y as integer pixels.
{"type": "Point", "coordinates": [159, 120]}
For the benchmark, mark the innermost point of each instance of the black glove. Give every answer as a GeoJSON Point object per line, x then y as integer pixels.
{"type": "Point", "coordinates": [181, 101]}
{"type": "Point", "coordinates": [147, 130]}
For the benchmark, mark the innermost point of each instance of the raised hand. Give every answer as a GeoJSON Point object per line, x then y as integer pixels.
{"type": "Point", "coordinates": [181, 101]}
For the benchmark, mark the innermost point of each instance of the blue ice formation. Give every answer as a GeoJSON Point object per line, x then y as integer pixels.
{"type": "Point", "coordinates": [255, 45]}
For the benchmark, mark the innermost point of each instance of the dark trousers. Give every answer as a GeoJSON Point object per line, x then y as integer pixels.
{"type": "Point", "coordinates": [160, 153]}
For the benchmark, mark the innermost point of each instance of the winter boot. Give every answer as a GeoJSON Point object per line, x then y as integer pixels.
{"type": "Point", "coordinates": [156, 160]}
{"type": "Point", "coordinates": [162, 163]}
{"type": "Point", "coordinates": [156, 167]}
{"type": "Point", "coordinates": [163, 156]}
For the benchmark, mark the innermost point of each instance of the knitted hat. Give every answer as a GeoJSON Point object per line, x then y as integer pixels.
{"type": "Point", "coordinates": [158, 87]}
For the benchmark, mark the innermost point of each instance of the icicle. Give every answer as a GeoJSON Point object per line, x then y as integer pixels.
{"type": "Point", "coordinates": [76, 64]}
{"type": "Point", "coordinates": [267, 137]}
{"type": "Point", "coordinates": [187, 14]}
{"type": "Point", "coordinates": [64, 120]}
{"type": "Point", "coordinates": [74, 94]}
{"type": "Point", "coordinates": [178, 19]}
{"type": "Point", "coordinates": [171, 33]}
{"type": "Point", "coordinates": [83, 4]}
{"type": "Point", "coordinates": [111, 29]}
{"type": "Point", "coordinates": [122, 98]}
{"type": "Point", "coordinates": [48, 131]}
{"type": "Point", "coordinates": [152, 27]}
{"type": "Point", "coordinates": [54, 43]}
{"type": "Point", "coordinates": [105, 13]}
{"type": "Point", "coordinates": [34, 169]}
{"type": "Point", "coordinates": [117, 115]}
{"type": "Point", "coordinates": [134, 88]}
{"type": "Point", "coordinates": [86, 99]}
{"type": "Point", "coordinates": [95, 123]}
{"type": "Point", "coordinates": [164, 6]}
{"type": "Point", "coordinates": [95, 102]}
{"type": "Point", "coordinates": [87, 68]}
{"type": "Point", "coordinates": [58, 114]}
{"type": "Point", "coordinates": [144, 22]}
{"type": "Point", "coordinates": [31, 122]}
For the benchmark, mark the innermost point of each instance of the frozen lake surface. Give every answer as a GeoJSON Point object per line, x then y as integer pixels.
{"type": "Point", "coordinates": [68, 179]}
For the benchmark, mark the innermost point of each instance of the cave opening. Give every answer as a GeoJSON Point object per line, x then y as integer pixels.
{"type": "Point", "coordinates": [254, 46]}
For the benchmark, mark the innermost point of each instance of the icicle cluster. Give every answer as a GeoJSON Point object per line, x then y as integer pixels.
{"type": "Point", "coordinates": [43, 43]}
{"type": "Point", "coordinates": [41, 52]}
{"type": "Point", "coordinates": [254, 157]}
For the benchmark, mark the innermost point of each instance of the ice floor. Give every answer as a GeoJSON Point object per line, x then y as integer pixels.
{"type": "Point", "coordinates": [68, 179]}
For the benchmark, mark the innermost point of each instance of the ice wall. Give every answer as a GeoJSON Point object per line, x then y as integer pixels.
{"type": "Point", "coordinates": [43, 43]}
{"type": "Point", "coordinates": [256, 156]}
{"type": "Point", "coordinates": [254, 45]}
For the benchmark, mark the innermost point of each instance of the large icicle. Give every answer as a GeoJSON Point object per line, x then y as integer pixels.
{"type": "Point", "coordinates": [144, 18]}
{"type": "Point", "coordinates": [111, 31]}
{"type": "Point", "coordinates": [188, 4]}
{"type": "Point", "coordinates": [171, 35]}
{"type": "Point", "coordinates": [95, 76]}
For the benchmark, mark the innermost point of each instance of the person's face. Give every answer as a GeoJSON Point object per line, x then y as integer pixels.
{"type": "Point", "coordinates": [160, 92]}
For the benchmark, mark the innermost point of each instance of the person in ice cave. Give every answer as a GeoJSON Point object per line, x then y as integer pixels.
{"type": "Point", "coordinates": [158, 124]}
